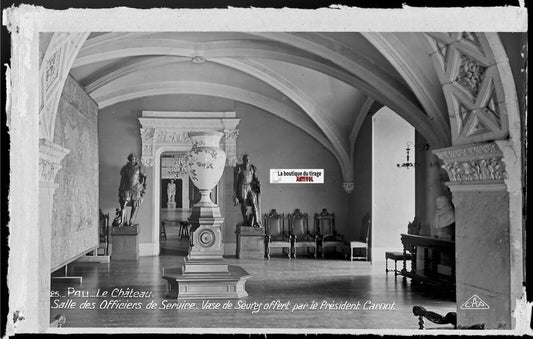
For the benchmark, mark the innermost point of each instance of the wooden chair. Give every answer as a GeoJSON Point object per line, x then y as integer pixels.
{"type": "Point", "coordinates": [104, 234]}
{"type": "Point", "coordinates": [277, 236]}
{"type": "Point", "coordinates": [184, 229]}
{"type": "Point", "coordinates": [301, 235]}
{"type": "Point", "coordinates": [327, 236]}
{"type": "Point", "coordinates": [163, 230]}
{"type": "Point", "coordinates": [361, 244]}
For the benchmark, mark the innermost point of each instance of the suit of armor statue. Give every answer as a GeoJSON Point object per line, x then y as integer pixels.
{"type": "Point", "coordinates": [131, 189]}
{"type": "Point", "coordinates": [246, 192]}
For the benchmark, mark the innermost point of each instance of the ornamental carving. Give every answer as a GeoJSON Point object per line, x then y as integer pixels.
{"type": "Point", "coordinates": [469, 151]}
{"type": "Point", "coordinates": [51, 70]}
{"type": "Point", "coordinates": [470, 74]}
{"type": "Point", "coordinates": [147, 149]}
{"type": "Point", "coordinates": [171, 136]}
{"type": "Point", "coordinates": [50, 157]}
{"type": "Point", "coordinates": [147, 134]}
{"type": "Point", "coordinates": [167, 129]}
{"type": "Point", "coordinates": [348, 187]}
{"type": "Point", "coordinates": [147, 161]}
{"type": "Point", "coordinates": [229, 144]}
{"type": "Point", "coordinates": [230, 135]}
{"type": "Point", "coordinates": [476, 170]}
{"type": "Point", "coordinates": [479, 162]}
{"type": "Point", "coordinates": [48, 171]}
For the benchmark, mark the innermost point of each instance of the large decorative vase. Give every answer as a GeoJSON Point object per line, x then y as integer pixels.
{"type": "Point", "coordinates": [204, 273]}
{"type": "Point", "coordinates": [206, 163]}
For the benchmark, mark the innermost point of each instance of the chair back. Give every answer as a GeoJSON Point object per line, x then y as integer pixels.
{"type": "Point", "coordinates": [365, 230]}
{"type": "Point", "coordinates": [325, 222]}
{"type": "Point", "coordinates": [104, 224]}
{"type": "Point", "coordinates": [414, 227]}
{"type": "Point", "coordinates": [298, 223]}
{"type": "Point", "coordinates": [274, 223]}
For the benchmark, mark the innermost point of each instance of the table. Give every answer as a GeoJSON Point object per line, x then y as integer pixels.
{"type": "Point", "coordinates": [432, 268]}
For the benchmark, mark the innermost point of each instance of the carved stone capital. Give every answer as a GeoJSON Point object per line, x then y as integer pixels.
{"type": "Point", "coordinates": [50, 157]}
{"type": "Point", "coordinates": [348, 187]}
{"type": "Point", "coordinates": [473, 163]}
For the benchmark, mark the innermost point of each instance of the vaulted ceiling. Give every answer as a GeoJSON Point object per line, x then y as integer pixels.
{"type": "Point", "coordinates": [323, 83]}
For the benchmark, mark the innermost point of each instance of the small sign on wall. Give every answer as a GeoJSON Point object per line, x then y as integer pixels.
{"type": "Point", "coordinates": [296, 176]}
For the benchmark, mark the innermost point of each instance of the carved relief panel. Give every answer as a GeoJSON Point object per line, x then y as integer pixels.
{"type": "Point", "coordinates": [473, 163]}
{"type": "Point", "coordinates": [471, 85]}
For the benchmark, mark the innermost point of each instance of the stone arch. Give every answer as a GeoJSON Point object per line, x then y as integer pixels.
{"type": "Point", "coordinates": [484, 167]}
{"type": "Point", "coordinates": [53, 72]}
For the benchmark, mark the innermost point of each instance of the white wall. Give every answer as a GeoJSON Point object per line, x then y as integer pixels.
{"type": "Point", "coordinates": [393, 204]}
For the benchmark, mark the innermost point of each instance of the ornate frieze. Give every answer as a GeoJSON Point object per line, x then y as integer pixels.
{"type": "Point", "coordinates": [478, 162]}
{"type": "Point", "coordinates": [171, 136]}
{"type": "Point", "coordinates": [474, 170]}
{"type": "Point", "coordinates": [50, 157]}
{"type": "Point", "coordinates": [470, 74]}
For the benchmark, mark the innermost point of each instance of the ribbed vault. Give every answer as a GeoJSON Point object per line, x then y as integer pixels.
{"type": "Point", "coordinates": [322, 83]}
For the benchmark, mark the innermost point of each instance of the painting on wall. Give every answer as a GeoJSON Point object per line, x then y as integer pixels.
{"type": "Point", "coordinates": [75, 218]}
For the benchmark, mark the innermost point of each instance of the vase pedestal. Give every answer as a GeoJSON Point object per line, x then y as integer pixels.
{"type": "Point", "coordinates": [208, 282]}
{"type": "Point", "coordinates": [203, 274]}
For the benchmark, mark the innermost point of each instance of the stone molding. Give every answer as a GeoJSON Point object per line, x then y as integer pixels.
{"type": "Point", "coordinates": [229, 145]}
{"type": "Point", "coordinates": [157, 132]}
{"type": "Point", "coordinates": [50, 157]}
{"type": "Point", "coordinates": [476, 163]}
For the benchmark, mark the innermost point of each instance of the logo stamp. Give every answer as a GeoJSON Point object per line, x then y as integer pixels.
{"type": "Point", "coordinates": [474, 303]}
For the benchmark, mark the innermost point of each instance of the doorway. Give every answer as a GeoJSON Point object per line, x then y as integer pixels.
{"type": "Point", "coordinates": [174, 203]}
{"type": "Point", "coordinates": [393, 187]}
{"type": "Point", "coordinates": [177, 196]}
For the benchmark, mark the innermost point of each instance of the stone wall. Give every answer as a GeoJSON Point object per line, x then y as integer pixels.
{"type": "Point", "coordinates": [270, 141]}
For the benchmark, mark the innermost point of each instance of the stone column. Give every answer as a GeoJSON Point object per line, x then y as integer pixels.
{"type": "Point", "coordinates": [482, 236]}
{"type": "Point", "coordinates": [50, 157]}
